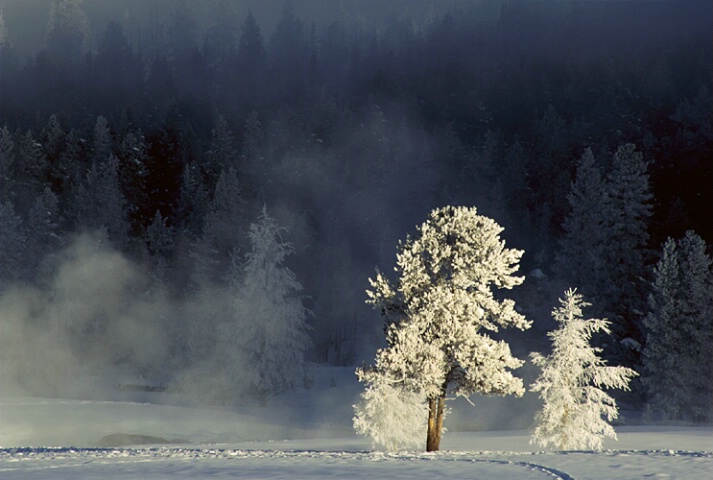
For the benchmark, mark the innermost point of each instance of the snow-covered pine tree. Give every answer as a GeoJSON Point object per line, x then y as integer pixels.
{"type": "Point", "coordinates": [678, 354]}
{"type": "Point", "coordinates": [268, 331]}
{"type": "Point", "coordinates": [570, 385]}
{"type": "Point", "coordinates": [439, 314]}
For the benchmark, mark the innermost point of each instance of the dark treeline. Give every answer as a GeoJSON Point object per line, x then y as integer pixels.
{"type": "Point", "coordinates": [169, 125]}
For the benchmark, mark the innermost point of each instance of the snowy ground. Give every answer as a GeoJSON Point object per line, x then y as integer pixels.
{"type": "Point", "coordinates": [72, 439]}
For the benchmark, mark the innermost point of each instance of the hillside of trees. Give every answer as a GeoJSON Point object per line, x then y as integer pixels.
{"type": "Point", "coordinates": [165, 129]}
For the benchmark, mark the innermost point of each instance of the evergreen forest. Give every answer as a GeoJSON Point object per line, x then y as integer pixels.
{"type": "Point", "coordinates": [151, 141]}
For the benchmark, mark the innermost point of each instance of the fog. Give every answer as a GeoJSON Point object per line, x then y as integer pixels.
{"type": "Point", "coordinates": [140, 140]}
{"type": "Point", "coordinates": [94, 313]}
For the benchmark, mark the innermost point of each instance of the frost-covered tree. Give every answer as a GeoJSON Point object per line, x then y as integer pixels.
{"type": "Point", "coordinates": [391, 416]}
{"type": "Point", "coordinates": [268, 332]}
{"type": "Point", "coordinates": [576, 410]}
{"type": "Point", "coordinates": [678, 354]}
{"type": "Point", "coordinates": [440, 311]}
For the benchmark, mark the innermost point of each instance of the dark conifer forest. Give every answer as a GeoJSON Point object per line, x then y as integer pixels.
{"type": "Point", "coordinates": [151, 134]}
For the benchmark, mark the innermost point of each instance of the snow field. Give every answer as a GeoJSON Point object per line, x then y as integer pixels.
{"type": "Point", "coordinates": [307, 434]}
{"type": "Point", "coordinates": [216, 463]}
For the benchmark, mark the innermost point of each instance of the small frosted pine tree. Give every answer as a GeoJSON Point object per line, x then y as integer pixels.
{"type": "Point", "coordinates": [439, 315]}
{"type": "Point", "coordinates": [570, 384]}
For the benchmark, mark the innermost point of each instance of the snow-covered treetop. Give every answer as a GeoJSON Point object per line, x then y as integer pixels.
{"type": "Point", "coordinates": [442, 300]}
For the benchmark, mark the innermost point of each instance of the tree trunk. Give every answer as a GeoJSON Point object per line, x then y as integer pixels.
{"type": "Point", "coordinates": [436, 406]}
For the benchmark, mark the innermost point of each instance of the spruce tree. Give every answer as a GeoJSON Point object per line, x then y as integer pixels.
{"type": "Point", "coordinates": [572, 380]}
{"type": "Point", "coordinates": [626, 236]}
{"type": "Point", "coordinates": [7, 165]}
{"type": "Point", "coordinates": [678, 354]}
{"type": "Point", "coordinates": [581, 255]}
{"type": "Point", "coordinates": [101, 204]}
{"type": "Point", "coordinates": [604, 250]}
{"type": "Point", "coordinates": [12, 245]}
{"type": "Point", "coordinates": [224, 228]}
{"type": "Point", "coordinates": [267, 332]}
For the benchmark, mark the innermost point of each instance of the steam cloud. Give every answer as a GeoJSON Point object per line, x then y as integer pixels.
{"type": "Point", "coordinates": [94, 310]}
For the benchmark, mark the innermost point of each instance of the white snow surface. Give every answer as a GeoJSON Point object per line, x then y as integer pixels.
{"type": "Point", "coordinates": [312, 439]}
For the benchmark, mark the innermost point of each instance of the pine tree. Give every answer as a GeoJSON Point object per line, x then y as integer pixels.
{"type": "Point", "coordinates": [132, 171]}
{"type": "Point", "coordinates": [267, 333]}
{"type": "Point", "coordinates": [31, 171]}
{"type": "Point", "coordinates": [193, 201]}
{"type": "Point", "coordinates": [570, 384]}
{"type": "Point", "coordinates": [12, 245]}
{"type": "Point", "coordinates": [604, 248]}
{"type": "Point", "coordinates": [581, 249]}
{"type": "Point", "coordinates": [101, 203]}
{"type": "Point", "coordinates": [626, 237]}
{"type": "Point", "coordinates": [102, 139]}
{"type": "Point", "coordinates": [678, 354]}
{"type": "Point", "coordinates": [222, 154]}
{"type": "Point", "coordinates": [7, 165]}
{"type": "Point", "coordinates": [440, 311]}
{"type": "Point", "coordinates": [43, 228]}
{"type": "Point", "coordinates": [160, 242]}
{"type": "Point", "coordinates": [3, 29]}
{"type": "Point", "coordinates": [223, 228]}
{"type": "Point", "coordinates": [697, 316]}
{"type": "Point", "coordinates": [68, 32]}
{"type": "Point", "coordinates": [219, 44]}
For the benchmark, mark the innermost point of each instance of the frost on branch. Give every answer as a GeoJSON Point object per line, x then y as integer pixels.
{"type": "Point", "coordinates": [439, 312]}
{"type": "Point", "coordinates": [394, 418]}
{"type": "Point", "coordinates": [575, 406]}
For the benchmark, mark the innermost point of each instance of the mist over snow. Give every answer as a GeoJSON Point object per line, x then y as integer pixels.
{"type": "Point", "coordinates": [93, 311]}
